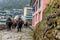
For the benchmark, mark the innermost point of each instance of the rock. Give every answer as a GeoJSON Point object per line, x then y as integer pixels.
{"type": "Point", "coordinates": [50, 22]}
{"type": "Point", "coordinates": [58, 14]}
{"type": "Point", "coordinates": [58, 27]}
{"type": "Point", "coordinates": [54, 16]}
{"type": "Point", "coordinates": [49, 17]}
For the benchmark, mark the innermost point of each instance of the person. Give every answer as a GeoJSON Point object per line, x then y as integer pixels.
{"type": "Point", "coordinates": [9, 23]}
{"type": "Point", "coordinates": [19, 23]}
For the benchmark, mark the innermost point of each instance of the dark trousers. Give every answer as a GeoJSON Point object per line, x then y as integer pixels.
{"type": "Point", "coordinates": [19, 28]}
{"type": "Point", "coordinates": [9, 24]}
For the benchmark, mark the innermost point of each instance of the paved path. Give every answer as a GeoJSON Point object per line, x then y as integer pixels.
{"type": "Point", "coordinates": [13, 35]}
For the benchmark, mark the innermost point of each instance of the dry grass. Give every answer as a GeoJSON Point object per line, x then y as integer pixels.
{"type": "Point", "coordinates": [40, 32]}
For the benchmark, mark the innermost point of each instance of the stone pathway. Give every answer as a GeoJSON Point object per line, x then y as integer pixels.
{"type": "Point", "coordinates": [13, 35]}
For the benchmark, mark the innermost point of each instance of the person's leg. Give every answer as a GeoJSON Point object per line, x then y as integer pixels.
{"type": "Point", "coordinates": [7, 23]}
{"type": "Point", "coordinates": [20, 26]}
{"type": "Point", "coordinates": [18, 29]}
{"type": "Point", "coordinates": [15, 25]}
{"type": "Point", "coordinates": [10, 27]}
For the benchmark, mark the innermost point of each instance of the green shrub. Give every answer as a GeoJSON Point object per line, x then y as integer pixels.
{"type": "Point", "coordinates": [40, 32]}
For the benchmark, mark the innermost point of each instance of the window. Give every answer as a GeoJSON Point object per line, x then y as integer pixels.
{"type": "Point", "coordinates": [39, 3]}
{"type": "Point", "coordinates": [33, 20]}
{"type": "Point", "coordinates": [36, 17]}
{"type": "Point", "coordinates": [28, 16]}
{"type": "Point", "coordinates": [39, 16]}
{"type": "Point", "coordinates": [29, 12]}
{"type": "Point", "coordinates": [37, 6]}
{"type": "Point", "coordinates": [33, 8]}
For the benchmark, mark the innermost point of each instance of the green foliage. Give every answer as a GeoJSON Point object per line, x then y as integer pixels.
{"type": "Point", "coordinates": [49, 10]}
{"type": "Point", "coordinates": [37, 33]}
{"type": "Point", "coordinates": [43, 31]}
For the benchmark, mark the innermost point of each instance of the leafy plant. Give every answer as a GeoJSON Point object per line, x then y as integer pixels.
{"type": "Point", "coordinates": [40, 32]}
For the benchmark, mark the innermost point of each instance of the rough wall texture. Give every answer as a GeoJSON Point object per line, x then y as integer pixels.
{"type": "Point", "coordinates": [49, 27]}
